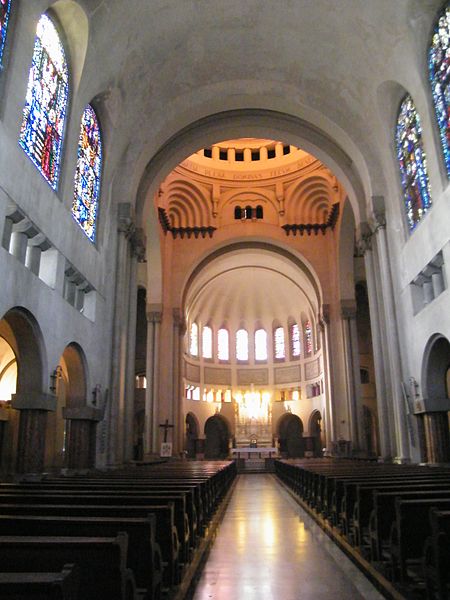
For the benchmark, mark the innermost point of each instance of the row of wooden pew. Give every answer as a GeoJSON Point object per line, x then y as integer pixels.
{"type": "Point", "coordinates": [125, 535]}
{"type": "Point", "coordinates": [396, 516]}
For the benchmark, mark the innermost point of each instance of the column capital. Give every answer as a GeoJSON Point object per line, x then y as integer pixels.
{"type": "Point", "coordinates": [324, 316]}
{"type": "Point", "coordinates": [178, 321]}
{"type": "Point", "coordinates": [154, 313]}
{"type": "Point", "coordinates": [125, 219]}
{"type": "Point", "coordinates": [379, 213]}
{"type": "Point", "coordinates": [348, 309]}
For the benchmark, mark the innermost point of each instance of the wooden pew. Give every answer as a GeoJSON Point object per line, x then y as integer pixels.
{"type": "Point", "coordinates": [41, 586]}
{"type": "Point", "coordinates": [409, 530]}
{"type": "Point", "coordinates": [143, 556]}
{"type": "Point", "coordinates": [101, 562]}
{"type": "Point", "coordinates": [436, 556]}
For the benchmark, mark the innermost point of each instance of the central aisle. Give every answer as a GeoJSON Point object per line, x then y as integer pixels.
{"type": "Point", "coordinates": [268, 548]}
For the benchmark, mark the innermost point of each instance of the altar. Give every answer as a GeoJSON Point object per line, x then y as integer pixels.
{"type": "Point", "coordinates": [251, 452]}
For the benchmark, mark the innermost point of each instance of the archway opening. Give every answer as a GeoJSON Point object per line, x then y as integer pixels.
{"type": "Point", "coordinates": [217, 436]}
{"type": "Point", "coordinates": [290, 436]}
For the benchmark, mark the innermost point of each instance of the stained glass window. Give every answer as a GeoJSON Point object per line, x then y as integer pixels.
{"type": "Point", "coordinates": [5, 8]}
{"type": "Point", "coordinates": [87, 174]}
{"type": "Point", "coordinates": [207, 342]}
{"type": "Point", "coordinates": [44, 114]}
{"type": "Point", "coordinates": [412, 162]}
{"type": "Point", "coordinates": [279, 343]}
{"type": "Point", "coordinates": [295, 340]}
{"type": "Point", "coordinates": [241, 345]}
{"type": "Point", "coordinates": [193, 341]}
{"type": "Point", "coordinates": [439, 67]}
{"type": "Point", "coordinates": [260, 344]}
{"type": "Point", "coordinates": [308, 338]}
{"type": "Point", "coordinates": [223, 351]}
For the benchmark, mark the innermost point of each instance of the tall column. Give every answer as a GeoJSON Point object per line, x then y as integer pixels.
{"type": "Point", "coordinates": [154, 318]}
{"type": "Point", "coordinates": [391, 332]}
{"type": "Point", "coordinates": [81, 436]}
{"type": "Point", "coordinates": [121, 409]}
{"type": "Point", "coordinates": [437, 437]}
{"type": "Point", "coordinates": [33, 407]}
{"type": "Point", "coordinates": [177, 394]}
{"type": "Point", "coordinates": [384, 417]}
{"type": "Point", "coordinates": [330, 424]}
{"type": "Point", "coordinates": [348, 314]}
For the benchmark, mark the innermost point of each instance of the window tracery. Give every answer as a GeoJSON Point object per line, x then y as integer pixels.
{"type": "Point", "coordinates": [242, 345]}
{"type": "Point", "coordinates": [5, 9]}
{"type": "Point", "coordinates": [87, 173]}
{"type": "Point", "coordinates": [412, 163]}
{"type": "Point", "coordinates": [439, 72]}
{"type": "Point", "coordinates": [44, 114]}
{"type": "Point", "coordinates": [260, 344]}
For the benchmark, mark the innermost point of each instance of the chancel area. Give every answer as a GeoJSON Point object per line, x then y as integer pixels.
{"type": "Point", "coordinates": [224, 267]}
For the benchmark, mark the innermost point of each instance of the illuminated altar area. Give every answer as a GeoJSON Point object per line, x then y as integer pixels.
{"type": "Point", "coordinates": [253, 418]}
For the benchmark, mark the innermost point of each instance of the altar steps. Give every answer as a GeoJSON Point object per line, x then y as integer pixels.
{"type": "Point", "coordinates": [247, 466]}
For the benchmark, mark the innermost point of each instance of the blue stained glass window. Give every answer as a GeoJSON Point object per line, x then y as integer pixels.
{"type": "Point", "coordinates": [87, 174]}
{"type": "Point", "coordinates": [439, 67]}
{"type": "Point", "coordinates": [44, 115]}
{"type": "Point", "coordinates": [412, 162]}
{"type": "Point", "coordinates": [5, 9]}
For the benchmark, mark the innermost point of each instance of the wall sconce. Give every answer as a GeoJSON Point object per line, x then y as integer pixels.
{"type": "Point", "coordinates": [57, 374]}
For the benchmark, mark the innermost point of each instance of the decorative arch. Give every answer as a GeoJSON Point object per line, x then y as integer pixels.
{"type": "Point", "coordinates": [412, 163]}
{"type": "Point", "coordinates": [217, 435]}
{"type": "Point", "coordinates": [435, 374]}
{"type": "Point", "coordinates": [88, 173]}
{"type": "Point", "coordinates": [290, 435]}
{"type": "Point", "coordinates": [309, 200]}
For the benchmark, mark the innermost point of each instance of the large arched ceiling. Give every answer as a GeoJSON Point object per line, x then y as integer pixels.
{"type": "Point", "coordinates": [250, 285]}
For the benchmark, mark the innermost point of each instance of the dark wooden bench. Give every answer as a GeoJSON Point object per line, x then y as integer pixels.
{"type": "Point", "coordinates": [409, 531]}
{"type": "Point", "coordinates": [101, 562]}
{"type": "Point", "coordinates": [436, 556]}
{"type": "Point", "coordinates": [41, 586]}
{"type": "Point", "coordinates": [165, 532]}
{"type": "Point", "coordinates": [143, 556]}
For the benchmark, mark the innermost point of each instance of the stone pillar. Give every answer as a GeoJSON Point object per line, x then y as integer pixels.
{"type": "Point", "coordinates": [384, 417]}
{"type": "Point", "coordinates": [130, 246]}
{"type": "Point", "coordinates": [33, 407]}
{"type": "Point", "coordinates": [81, 436]}
{"type": "Point", "coordinates": [348, 314]}
{"type": "Point", "coordinates": [154, 318]}
{"type": "Point", "coordinates": [179, 328]}
{"type": "Point", "coordinates": [437, 437]}
{"type": "Point", "coordinates": [330, 419]}
{"type": "Point", "coordinates": [389, 325]}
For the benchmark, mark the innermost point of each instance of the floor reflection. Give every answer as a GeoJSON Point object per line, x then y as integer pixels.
{"type": "Point", "coordinates": [268, 548]}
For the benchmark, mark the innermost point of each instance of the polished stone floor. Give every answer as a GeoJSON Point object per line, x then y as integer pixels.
{"type": "Point", "coordinates": [268, 548]}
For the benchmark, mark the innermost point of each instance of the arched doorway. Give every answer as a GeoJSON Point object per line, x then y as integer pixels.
{"type": "Point", "coordinates": [21, 333]}
{"type": "Point", "coordinates": [8, 384]}
{"type": "Point", "coordinates": [217, 434]}
{"type": "Point", "coordinates": [436, 400]}
{"type": "Point", "coordinates": [290, 435]}
{"type": "Point", "coordinates": [192, 430]}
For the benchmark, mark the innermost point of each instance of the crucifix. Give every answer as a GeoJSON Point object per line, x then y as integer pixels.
{"type": "Point", "coordinates": [166, 427]}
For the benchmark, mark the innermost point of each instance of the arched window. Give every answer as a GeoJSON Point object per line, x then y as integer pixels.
{"type": "Point", "coordinates": [259, 212]}
{"type": "Point", "coordinates": [87, 174]}
{"type": "Point", "coordinates": [207, 342]}
{"type": "Point", "coordinates": [44, 114]}
{"type": "Point", "coordinates": [223, 348]}
{"type": "Point", "coordinates": [193, 340]}
{"type": "Point", "coordinates": [237, 212]}
{"type": "Point", "coordinates": [241, 344]}
{"type": "Point", "coordinates": [260, 344]}
{"type": "Point", "coordinates": [440, 79]}
{"type": "Point", "coordinates": [5, 9]}
{"type": "Point", "coordinates": [280, 351]}
{"type": "Point", "coordinates": [412, 162]}
{"type": "Point", "coordinates": [308, 339]}
{"type": "Point", "coordinates": [295, 340]}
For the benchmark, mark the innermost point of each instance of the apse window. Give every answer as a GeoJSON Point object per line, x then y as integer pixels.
{"type": "Point", "coordinates": [279, 343]}
{"type": "Point", "coordinates": [295, 340]}
{"type": "Point", "coordinates": [44, 115]}
{"type": "Point", "coordinates": [193, 340]}
{"type": "Point", "coordinates": [223, 351]}
{"type": "Point", "coordinates": [207, 350]}
{"type": "Point", "coordinates": [260, 345]}
{"type": "Point", "coordinates": [242, 345]}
